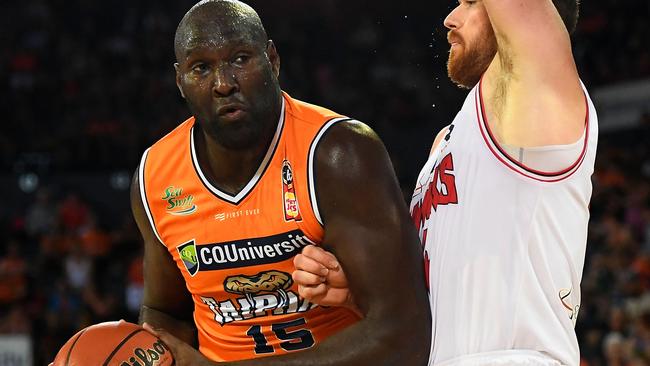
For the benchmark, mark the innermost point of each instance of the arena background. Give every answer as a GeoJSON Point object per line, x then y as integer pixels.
{"type": "Point", "coordinates": [87, 86]}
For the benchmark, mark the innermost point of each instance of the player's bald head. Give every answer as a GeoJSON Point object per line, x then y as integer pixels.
{"type": "Point", "coordinates": [216, 20]}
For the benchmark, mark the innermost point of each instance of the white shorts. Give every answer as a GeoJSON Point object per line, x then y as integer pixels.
{"type": "Point", "coordinates": [502, 358]}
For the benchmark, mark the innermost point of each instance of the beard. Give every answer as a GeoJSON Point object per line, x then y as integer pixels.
{"type": "Point", "coordinates": [466, 66]}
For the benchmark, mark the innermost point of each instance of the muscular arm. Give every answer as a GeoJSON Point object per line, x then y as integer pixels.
{"type": "Point", "coordinates": [368, 228]}
{"type": "Point", "coordinates": [534, 88]}
{"type": "Point", "coordinates": [166, 303]}
{"type": "Point", "coordinates": [331, 289]}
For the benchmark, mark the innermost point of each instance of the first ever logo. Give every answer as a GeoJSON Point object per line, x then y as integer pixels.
{"type": "Point", "coordinates": [177, 204]}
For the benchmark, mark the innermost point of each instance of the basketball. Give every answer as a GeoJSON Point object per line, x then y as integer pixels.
{"type": "Point", "coordinates": [118, 343]}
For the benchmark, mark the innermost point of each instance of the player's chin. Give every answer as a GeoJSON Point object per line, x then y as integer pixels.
{"type": "Point", "coordinates": [239, 135]}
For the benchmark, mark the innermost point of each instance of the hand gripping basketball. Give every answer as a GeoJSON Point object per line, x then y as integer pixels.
{"type": "Point", "coordinates": [117, 343]}
{"type": "Point", "coordinates": [184, 354]}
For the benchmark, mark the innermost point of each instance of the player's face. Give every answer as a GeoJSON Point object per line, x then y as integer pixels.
{"type": "Point", "coordinates": [472, 40]}
{"type": "Point", "coordinates": [230, 83]}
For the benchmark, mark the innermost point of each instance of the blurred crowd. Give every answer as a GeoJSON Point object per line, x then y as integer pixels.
{"type": "Point", "coordinates": [88, 86]}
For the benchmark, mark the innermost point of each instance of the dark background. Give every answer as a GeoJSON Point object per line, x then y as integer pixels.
{"type": "Point", "coordinates": [87, 86]}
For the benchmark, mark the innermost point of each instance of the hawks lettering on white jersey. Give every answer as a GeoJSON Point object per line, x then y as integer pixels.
{"type": "Point", "coordinates": [504, 244]}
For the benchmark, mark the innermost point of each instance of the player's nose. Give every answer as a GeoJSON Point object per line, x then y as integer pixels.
{"type": "Point", "coordinates": [225, 82]}
{"type": "Point", "coordinates": [452, 21]}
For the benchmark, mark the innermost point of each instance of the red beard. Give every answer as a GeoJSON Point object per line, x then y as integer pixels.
{"type": "Point", "coordinates": [466, 64]}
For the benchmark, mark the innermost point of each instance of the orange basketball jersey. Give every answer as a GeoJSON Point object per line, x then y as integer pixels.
{"type": "Point", "coordinates": [236, 251]}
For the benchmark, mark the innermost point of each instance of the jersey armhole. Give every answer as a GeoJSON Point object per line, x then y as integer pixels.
{"type": "Point", "coordinates": [527, 171]}
{"type": "Point", "coordinates": [438, 139]}
{"type": "Point", "coordinates": [143, 196]}
{"type": "Point", "coordinates": [551, 158]}
{"type": "Point", "coordinates": [311, 173]}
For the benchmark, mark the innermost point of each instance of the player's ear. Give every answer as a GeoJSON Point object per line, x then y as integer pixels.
{"type": "Point", "coordinates": [178, 80]}
{"type": "Point", "coordinates": [273, 57]}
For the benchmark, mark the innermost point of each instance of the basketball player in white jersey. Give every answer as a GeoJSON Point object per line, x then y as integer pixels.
{"type": "Point", "coordinates": [502, 203]}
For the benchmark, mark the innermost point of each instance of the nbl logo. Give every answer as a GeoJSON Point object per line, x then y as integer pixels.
{"type": "Point", "coordinates": [290, 200]}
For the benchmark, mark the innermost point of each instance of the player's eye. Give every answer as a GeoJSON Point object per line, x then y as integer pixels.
{"type": "Point", "coordinates": [241, 60]}
{"type": "Point", "coordinates": [199, 68]}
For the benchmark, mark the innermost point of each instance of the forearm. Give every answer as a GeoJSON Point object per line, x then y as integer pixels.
{"type": "Point", "coordinates": [369, 342]}
{"type": "Point", "coordinates": [183, 330]}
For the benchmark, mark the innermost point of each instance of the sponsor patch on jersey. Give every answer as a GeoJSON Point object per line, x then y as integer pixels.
{"type": "Point", "coordinates": [266, 293]}
{"type": "Point", "coordinates": [290, 204]}
{"type": "Point", "coordinates": [263, 282]}
{"type": "Point", "coordinates": [177, 203]}
{"type": "Point", "coordinates": [223, 216]}
{"type": "Point", "coordinates": [187, 252]}
{"type": "Point", "coordinates": [572, 310]}
{"type": "Point", "coordinates": [242, 253]}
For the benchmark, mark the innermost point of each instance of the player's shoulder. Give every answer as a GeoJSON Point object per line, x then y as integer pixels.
{"type": "Point", "coordinates": [177, 135]}
{"type": "Point", "coordinates": [443, 132]}
{"type": "Point", "coordinates": [350, 144]}
{"type": "Point", "coordinates": [308, 113]}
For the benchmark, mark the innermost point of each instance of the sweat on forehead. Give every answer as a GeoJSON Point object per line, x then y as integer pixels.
{"type": "Point", "coordinates": [212, 21]}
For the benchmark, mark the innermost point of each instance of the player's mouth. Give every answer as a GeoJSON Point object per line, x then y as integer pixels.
{"type": "Point", "coordinates": [453, 39]}
{"type": "Point", "coordinates": [231, 112]}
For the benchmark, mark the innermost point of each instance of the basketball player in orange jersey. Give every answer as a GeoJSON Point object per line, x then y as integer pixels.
{"type": "Point", "coordinates": [502, 204]}
{"type": "Point", "coordinates": [228, 198]}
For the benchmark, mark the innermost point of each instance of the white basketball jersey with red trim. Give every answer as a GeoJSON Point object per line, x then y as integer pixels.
{"type": "Point", "coordinates": [504, 245]}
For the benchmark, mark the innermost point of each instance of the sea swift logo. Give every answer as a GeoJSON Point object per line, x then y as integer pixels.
{"type": "Point", "coordinates": [177, 204]}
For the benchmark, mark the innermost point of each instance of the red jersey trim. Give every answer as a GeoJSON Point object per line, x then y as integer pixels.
{"type": "Point", "coordinates": [515, 165]}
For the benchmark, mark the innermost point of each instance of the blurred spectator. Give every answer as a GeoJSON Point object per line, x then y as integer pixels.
{"type": "Point", "coordinates": [95, 242]}
{"type": "Point", "coordinates": [77, 268]}
{"type": "Point", "coordinates": [13, 274]}
{"type": "Point", "coordinates": [73, 212]}
{"type": "Point", "coordinates": [41, 217]}
{"type": "Point", "coordinates": [135, 286]}
{"type": "Point", "coordinates": [16, 321]}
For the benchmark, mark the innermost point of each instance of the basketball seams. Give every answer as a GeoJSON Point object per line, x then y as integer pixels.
{"type": "Point", "coordinates": [117, 348]}
{"type": "Point", "coordinates": [67, 358]}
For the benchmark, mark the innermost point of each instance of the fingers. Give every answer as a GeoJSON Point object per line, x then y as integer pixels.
{"type": "Point", "coordinates": [305, 278]}
{"type": "Point", "coordinates": [307, 264]}
{"type": "Point", "coordinates": [183, 353]}
{"type": "Point", "coordinates": [312, 293]}
{"type": "Point", "coordinates": [327, 296]}
{"type": "Point", "coordinates": [150, 329]}
{"type": "Point", "coordinates": [321, 256]}
{"type": "Point", "coordinates": [172, 342]}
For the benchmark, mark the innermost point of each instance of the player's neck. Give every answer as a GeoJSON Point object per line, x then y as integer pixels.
{"type": "Point", "coordinates": [226, 168]}
{"type": "Point", "coordinates": [494, 92]}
